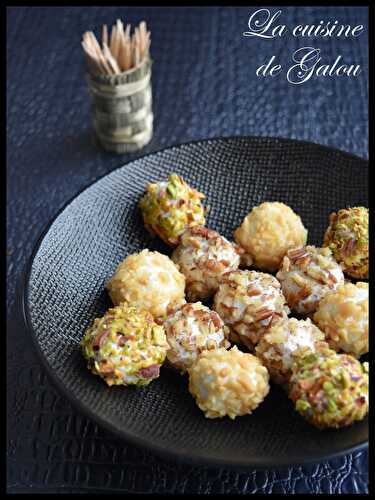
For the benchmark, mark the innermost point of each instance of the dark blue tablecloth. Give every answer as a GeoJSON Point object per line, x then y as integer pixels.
{"type": "Point", "coordinates": [204, 85]}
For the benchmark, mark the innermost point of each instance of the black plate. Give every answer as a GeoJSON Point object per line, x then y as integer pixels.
{"type": "Point", "coordinates": [79, 251]}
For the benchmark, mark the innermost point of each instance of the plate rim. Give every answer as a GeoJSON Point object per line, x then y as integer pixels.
{"type": "Point", "coordinates": [168, 453]}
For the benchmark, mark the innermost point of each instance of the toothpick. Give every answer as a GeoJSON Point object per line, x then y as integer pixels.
{"type": "Point", "coordinates": [105, 35]}
{"type": "Point", "coordinates": [119, 50]}
{"type": "Point", "coordinates": [112, 43]}
{"type": "Point", "coordinates": [111, 60]}
{"type": "Point", "coordinates": [99, 52]}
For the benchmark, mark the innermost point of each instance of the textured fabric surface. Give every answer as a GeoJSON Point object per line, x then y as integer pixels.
{"type": "Point", "coordinates": [205, 69]}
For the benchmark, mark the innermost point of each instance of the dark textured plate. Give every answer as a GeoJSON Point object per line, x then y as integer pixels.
{"type": "Point", "coordinates": [64, 292]}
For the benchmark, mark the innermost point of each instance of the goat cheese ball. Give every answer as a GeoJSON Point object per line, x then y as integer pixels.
{"type": "Point", "coordinates": [191, 330]}
{"type": "Point", "coordinates": [125, 346]}
{"type": "Point", "coordinates": [347, 237]}
{"type": "Point", "coordinates": [267, 233]}
{"type": "Point", "coordinates": [249, 302]}
{"type": "Point", "coordinates": [150, 281]}
{"type": "Point", "coordinates": [231, 383]}
{"type": "Point", "coordinates": [285, 342]}
{"type": "Point", "coordinates": [330, 389]}
{"type": "Point", "coordinates": [170, 207]}
{"type": "Point", "coordinates": [203, 256]}
{"type": "Point", "coordinates": [306, 275]}
{"type": "Point", "coordinates": [343, 317]}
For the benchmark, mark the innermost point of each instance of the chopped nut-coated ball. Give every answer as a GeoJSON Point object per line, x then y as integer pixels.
{"type": "Point", "coordinates": [284, 343]}
{"type": "Point", "coordinates": [229, 383]}
{"type": "Point", "coordinates": [347, 237]}
{"type": "Point", "coordinates": [306, 275]}
{"type": "Point", "coordinates": [203, 256]}
{"type": "Point", "coordinates": [249, 302]}
{"type": "Point", "coordinates": [125, 346]}
{"type": "Point", "coordinates": [267, 233]}
{"type": "Point", "coordinates": [343, 317]}
{"type": "Point", "coordinates": [190, 330]}
{"type": "Point", "coordinates": [148, 280]}
{"type": "Point", "coordinates": [170, 207]}
{"type": "Point", "coordinates": [330, 389]}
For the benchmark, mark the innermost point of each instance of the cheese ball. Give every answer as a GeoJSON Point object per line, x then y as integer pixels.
{"type": "Point", "coordinates": [343, 317]}
{"type": "Point", "coordinates": [284, 343]}
{"type": "Point", "coordinates": [347, 237]}
{"type": "Point", "coordinates": [306, 275]}
{"type": "Point", "coordinates": [191, 330]}
{"type": "Point", "coordinates": [203, 256]}
{"type": "Point", "coordinates": [125, 346]}
{"type": "Point", "coordinates": [170, 207]}
{"type": "Point", "coordinates": [231, 383]}
{"type": "Point", "coordinates": [150, 281]}
{"type": "Point", "coordinates": [330, 389]}
{"type": "Point", "coordinates": [250, 302]}
{"type": "Point", "coordinates": [267, 233]}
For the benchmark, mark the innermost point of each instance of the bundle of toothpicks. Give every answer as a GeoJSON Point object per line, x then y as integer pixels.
{"type": "Point", "coordinates": [119, 50]}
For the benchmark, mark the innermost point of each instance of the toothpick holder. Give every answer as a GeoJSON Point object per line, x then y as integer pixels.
{"type": "Point", "coordinates": [122, 108]}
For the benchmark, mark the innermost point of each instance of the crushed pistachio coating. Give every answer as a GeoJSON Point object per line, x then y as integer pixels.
{"type": "Point", "coordinates": [228, 383]}
{"type": "Point", "coordinates": [170, 207]}
{"type": "Point", "coordinates": [306, 275]}
{"type": "Point", "coordinates": [191, 330]}
{"type": "Point", "coordinates": [150, 281]}
{"type": "Point", "coordinates": [347, 237]}
{"type": "Point", "coordinates": [343, 316]}
{"type": "Point", "coordinates": [286, 342]}
{"type": "Point", "coordinates": [249, 302]}
{"type": "Point", "coordinates": [125, 346]}
{"type": "Point", "coordinates": [203, 256]}
{"type": "Point", "coordinates": [330, 389]}
{"type": "Point", "coordinates": [267, 233]}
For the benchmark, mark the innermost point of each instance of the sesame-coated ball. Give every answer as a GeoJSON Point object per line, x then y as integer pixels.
{"type": "Point", "coordinates": [330, 389]}
{"type": "Point", "coordinates": [343, 317]}
{"type": "Point", "coordinates": [347, 237]}
{"type": "Point", "coordinates": [285, 342]}
{"type": "Point", "coordinates": [125, 346]}
{"type": "Point", "coordinates": [267, 233]}
{"type": "Point", "coordinates": [170, 207]}
{"type": "Point", "coordinates": [203, 256]}
{"type": "Point", "coordinates": [150, 281]}
{"type": "Point", "coordinates": [250, 302]}
{"type": "Point", "coordinates": [229, 383]}
{"type": "Point", "coordinates": [306, 275]}
{"type": "Point", "coordinates": [190, 330]}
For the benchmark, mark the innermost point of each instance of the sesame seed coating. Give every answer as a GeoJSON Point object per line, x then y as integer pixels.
{"type": "Point", "coordinates": [150, 281]}
{"type": "Point", "coordinates": [285, 342]}
{"type": "Point", "coordinates": [343, 316]}
{"type": "Point", "coordinates": [228, 383]}
{"type": "Point", "coordinates": [267, 233]}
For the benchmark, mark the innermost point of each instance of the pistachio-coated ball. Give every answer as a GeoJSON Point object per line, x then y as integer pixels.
{"type": "Point", "coordinates": [347, 237]}
{"type": "Point", "coordinates": [125, 346]}
{"type": "Point", "coordinates": [170, 207]}
{"type": "Point", "coordinates": [330, 389]}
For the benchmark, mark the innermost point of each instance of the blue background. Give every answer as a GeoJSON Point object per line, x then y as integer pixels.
{"type": "Point", "coordinates": [204, 85]}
